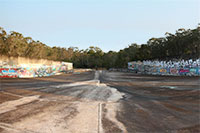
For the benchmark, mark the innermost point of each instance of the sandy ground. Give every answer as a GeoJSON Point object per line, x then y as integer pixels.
{"type": "Point", "coordinates": [100, 102]}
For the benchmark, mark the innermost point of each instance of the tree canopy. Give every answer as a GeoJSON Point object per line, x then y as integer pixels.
{"type": "Point", "coordinates": [184, 44]}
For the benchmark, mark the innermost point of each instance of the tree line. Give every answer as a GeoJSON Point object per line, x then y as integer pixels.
{"type": "Point", "coordinates": [184, 44]}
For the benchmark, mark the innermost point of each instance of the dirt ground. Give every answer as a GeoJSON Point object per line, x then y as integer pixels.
{"type": "Point", "coordinates": [157, 103]}
{"type": "Point", "coordinates": [101, 101]}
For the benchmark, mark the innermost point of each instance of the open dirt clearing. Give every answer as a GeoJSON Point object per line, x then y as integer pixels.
{"type": "Point", "coordinates": [66, 107]}
{"type": "Point", "coordinates": [101, 101]}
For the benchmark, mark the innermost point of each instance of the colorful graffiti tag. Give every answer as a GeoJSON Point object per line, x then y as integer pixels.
{"type": "Point", "coordinates": [173, 71]}
{"type": "Point", "coordinates": [194, 70]}
{"type": "Point", "coordinates": [8, 73]}
{"type": "Point", "coordinates": [24, 73]}
{"type": "Point", "coordinates": [163, 70]}
{"type": "Point", "coordinates": [184, 71]}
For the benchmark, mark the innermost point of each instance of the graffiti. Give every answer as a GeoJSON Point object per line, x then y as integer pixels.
{"type": "Point", "coordinates": [194, 70]}
{"type": "Point", "coordinates": [173, 71]}
{"type": "Point", "coordinates": [32, 70]}
{"type": "Point", "coordinates": [8, 73]}
{"type": "Point", "coordinates": [184, 71]}
{"type": "Point", "coordinates": [154, 70]}
{"type": "Point", "coordinates": [63, 68]}
{"type": "Point", "coordinates": [23, 73]}
{"type": "Point", "coordinates": [12, 67]}
{"type": "Point", "coordinates": [131, 66]}
{"type": "Point", "coordinates": [162, 70]}
{"type": "Point", "coordinates": [182, 67]}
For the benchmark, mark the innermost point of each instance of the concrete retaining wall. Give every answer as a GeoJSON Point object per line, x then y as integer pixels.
{"type": "Point", "coordinates": [176, 68]}
{"type": "Point", "coordinates": [13, 67]}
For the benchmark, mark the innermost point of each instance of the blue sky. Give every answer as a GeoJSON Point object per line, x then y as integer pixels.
{"type": "Point", "coordinates": [108, 24]}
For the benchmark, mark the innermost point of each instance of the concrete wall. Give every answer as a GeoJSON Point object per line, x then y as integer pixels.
{"type": "Point", "coordinates": [11, 67]}
{"type": "Point", "coordinates": [176, 68]}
